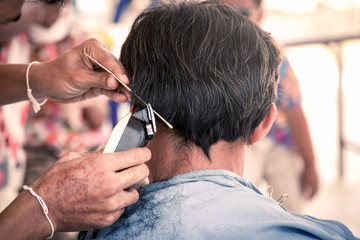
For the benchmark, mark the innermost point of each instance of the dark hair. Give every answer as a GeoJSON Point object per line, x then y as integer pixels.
{"type": "Point", "coordinates": [51, 2]}
{"type": "Point", "coordinates": [207, 69]}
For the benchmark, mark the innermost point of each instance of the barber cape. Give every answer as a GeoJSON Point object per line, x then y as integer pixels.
{"type": "Point", "coordinates": [213, 204]}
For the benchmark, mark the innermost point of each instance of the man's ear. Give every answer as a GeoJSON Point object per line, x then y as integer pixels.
{"type": "Point", "coordinates": [132, 108]}
{"type": "Point", "coordinates": [265, 126]}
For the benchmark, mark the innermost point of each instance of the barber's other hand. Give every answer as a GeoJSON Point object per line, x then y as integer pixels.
{"type": "Point", "coordinates": [72, 76]}
{"type": "Point", "coordinates": [309, 182]}
{"type": "Point", "coordinates": [84, 190]}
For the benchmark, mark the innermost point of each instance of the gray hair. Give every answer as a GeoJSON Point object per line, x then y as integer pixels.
{"type": "Point", "coordinates": [207, 69]}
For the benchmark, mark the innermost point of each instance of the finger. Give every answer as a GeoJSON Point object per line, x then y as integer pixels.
{"type": "Point", "coordinates": [121, 160]}
{"type": "Point", "coordinates": [111, 218]}
{"type": "Point", "coordinates": [117, 201]}
{"type": "Point", "coordinates": [108, 212]}
{"type": "Point", "coordinates": [123, 82]}
{"type": "Point", "coordinates": [105, 84]}
{"type": "Point", "coordinates": [314, 191]}
{"type": "Point", "coordinates": [100, 148]}
{"type": "Point", "coordinates": [112, 83]}
{"type": "Point", "coordinates": [125, 90]}
{"type": "Point", "coordinates": [308, 192]}
{"type": "Point", "coordinates": [126, 198]}
{"type": "Point", "coordinates": [131, 176]}
{"type": "Point", "coordinates": [115, 95]}
{"type": "Point", "coordinates": [102, 79]}
{"type": "Point", "coordinates": [95, 220]}
{"type": "Point", "coordinates": [102, 55]}
{"type": "Point", "coordinates": [112, 64]}
{"type": "Point", "coordinates": [105, 80]}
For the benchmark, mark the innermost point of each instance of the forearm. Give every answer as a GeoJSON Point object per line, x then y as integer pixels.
{"type": "Point", "coordinates": [13, 82]}
{"type": "Point", "coordinates": [301, 135]}
{"type": "Point", "coordinates": [66, 79]}
{"type": "Point", "coordinates": [24, 219]}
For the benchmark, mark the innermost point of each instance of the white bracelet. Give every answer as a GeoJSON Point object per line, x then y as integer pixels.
{"type": "Point", "coordinates": [44, 207]}
{"type": "Point", "coordinates": [35, 104]}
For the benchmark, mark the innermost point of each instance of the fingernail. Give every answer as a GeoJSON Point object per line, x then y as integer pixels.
{"type": "Point", "coordinates": [110, 83]}
{"type": "Point", "coordinates": [125, 78]}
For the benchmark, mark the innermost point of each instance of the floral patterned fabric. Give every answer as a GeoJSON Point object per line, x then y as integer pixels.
{"type": "Point", "coordinates": [12, 122]}
{"type": "Point", "coordinates": [63, 128]}
{"type": "Point", "coordinates": [289, 97]}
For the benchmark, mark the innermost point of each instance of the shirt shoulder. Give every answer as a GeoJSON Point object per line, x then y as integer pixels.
{"type": "Point", "coordinates": [214, 207]}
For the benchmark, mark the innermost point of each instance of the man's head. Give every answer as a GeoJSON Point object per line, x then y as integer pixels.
{"type": "Point", "coordinates": [206, 68]}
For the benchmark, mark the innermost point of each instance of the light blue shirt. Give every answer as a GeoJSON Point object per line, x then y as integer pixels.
{"type": "Point", "coordinates": [214, 204]}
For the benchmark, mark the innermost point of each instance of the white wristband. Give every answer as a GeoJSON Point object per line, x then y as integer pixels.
{"type": "Point", "coordinates": [44, 207]}
{"type": "Point", "coordinates": [35, 104]}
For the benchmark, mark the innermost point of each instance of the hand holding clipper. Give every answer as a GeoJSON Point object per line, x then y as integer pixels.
{"type": "Point", "coordinates": [133, 130]}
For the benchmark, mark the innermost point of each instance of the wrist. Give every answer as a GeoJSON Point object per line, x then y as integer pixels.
{"type": "Point", "coordinates": [36, 80]}
{"type": "Point", "coordinates": [47, 195]}
{"type": "Point", "coordinates": [310, 165]}
{"type": "Point", "coordinates": [36, 106]}
{"type": "Point", "coordinates": [24, 219]}
{"type": "Point", "coordinates": [44, 208]}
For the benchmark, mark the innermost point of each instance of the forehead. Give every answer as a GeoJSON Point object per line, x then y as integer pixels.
{"type": "Point", "coordinates": [10, 9]}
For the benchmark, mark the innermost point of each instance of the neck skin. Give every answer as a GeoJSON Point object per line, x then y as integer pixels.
{"type": "Point", "coordinates": [169, 159]}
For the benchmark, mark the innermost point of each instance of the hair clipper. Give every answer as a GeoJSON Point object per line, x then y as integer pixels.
{"type": "Point", "coordinates": [133, 130]}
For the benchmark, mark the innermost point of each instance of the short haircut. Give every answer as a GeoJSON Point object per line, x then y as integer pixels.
{"type": "Point", "coordinates": [208, 70]}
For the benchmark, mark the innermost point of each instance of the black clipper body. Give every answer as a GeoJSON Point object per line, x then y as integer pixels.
{"type": "Point", "coordinates": [133, 130]}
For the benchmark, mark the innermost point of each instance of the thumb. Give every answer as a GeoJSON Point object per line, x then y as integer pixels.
{"type": "Point", "coordinates": [104, 80]}
{"type": "Point", "coordinates": [108, 79]}
{"type": "Point", "coordinates": [101, 58]}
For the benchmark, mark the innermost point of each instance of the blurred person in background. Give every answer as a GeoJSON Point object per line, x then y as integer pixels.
{"type": "Point", "coordinates": [285, 159]}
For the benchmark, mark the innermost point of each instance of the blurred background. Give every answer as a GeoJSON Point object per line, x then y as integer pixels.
{"type": "Point", "coordinates": [322, 41]}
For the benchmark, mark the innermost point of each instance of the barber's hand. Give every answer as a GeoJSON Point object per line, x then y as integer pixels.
{"type": "Point", "coordinates": [84, 190]}
{"type": "Point", "coordinates": [72, 76]}
{"type": "Point", "coordinates": [309, 182]}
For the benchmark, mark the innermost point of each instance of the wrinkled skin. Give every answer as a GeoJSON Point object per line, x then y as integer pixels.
{"type": "Point", "coordinates": [71, 77]}
{"type": "Point", "coordinates": [81, 190]}
{"type": "Point", "coordinates": [92, 193]}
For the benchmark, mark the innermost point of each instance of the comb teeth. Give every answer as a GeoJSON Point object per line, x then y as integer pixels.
{"type": "Point", "coordinates": [127, 88]}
